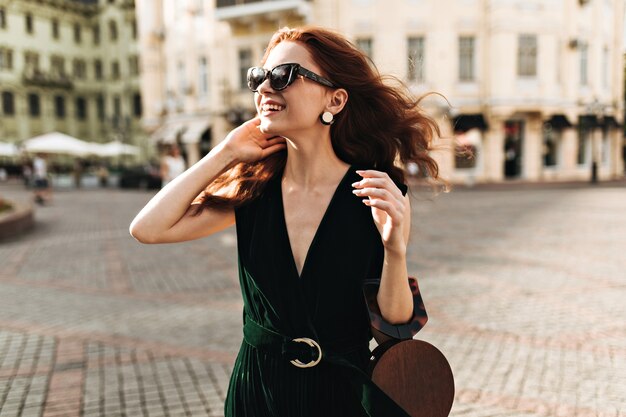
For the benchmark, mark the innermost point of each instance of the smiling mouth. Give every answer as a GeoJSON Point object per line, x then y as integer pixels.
{"type": "Point", "coordinates": [271, 108]}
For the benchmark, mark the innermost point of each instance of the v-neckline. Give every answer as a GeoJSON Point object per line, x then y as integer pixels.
{"type": "Point", "coordinates": [317, 230]}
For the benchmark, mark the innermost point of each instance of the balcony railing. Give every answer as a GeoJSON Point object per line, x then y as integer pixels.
{"type": "Point", "coordinates": [44, 79]}
{"type": "Point", "coordinates": [236, 9]}
{"type": "Point", "coordinates": [228, 3]}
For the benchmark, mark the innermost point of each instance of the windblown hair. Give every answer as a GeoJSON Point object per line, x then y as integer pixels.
{"type": "Point", "coordinates": [381, 125]}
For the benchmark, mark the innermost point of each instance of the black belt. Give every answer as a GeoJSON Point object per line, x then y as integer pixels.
{"type": "Point", "coordinates": [305, 353]}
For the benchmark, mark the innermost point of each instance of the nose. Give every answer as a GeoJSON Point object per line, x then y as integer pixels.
{"type": "Point", "coordinates": [265, 86]}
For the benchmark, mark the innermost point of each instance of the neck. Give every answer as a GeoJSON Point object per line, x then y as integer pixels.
{"type": "Point", "coordinates": [311, 162]}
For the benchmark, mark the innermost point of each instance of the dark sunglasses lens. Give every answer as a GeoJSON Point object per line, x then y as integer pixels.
{"type": "Point", "coordinates": [280, 77]}
{"type": "Point", "coordinates": [256, 76]}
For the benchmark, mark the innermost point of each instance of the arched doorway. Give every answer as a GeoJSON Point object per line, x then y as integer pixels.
{"type": "Point", "coordinates": [205, 143]}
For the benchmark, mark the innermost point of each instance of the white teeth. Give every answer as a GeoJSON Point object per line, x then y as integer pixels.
{"type": "Point", "coordinates": [275, 107]}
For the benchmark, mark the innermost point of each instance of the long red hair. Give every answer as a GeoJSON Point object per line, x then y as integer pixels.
{"type": "Point", "coordinates": [381, 124]}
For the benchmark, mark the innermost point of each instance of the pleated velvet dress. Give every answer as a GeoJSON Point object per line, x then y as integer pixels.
{"type": "Point", "coordinates": [325, 303]}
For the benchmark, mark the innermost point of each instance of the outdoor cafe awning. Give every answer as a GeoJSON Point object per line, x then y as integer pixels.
{"type": "Point", "coordinates": [465, 122]}
{"type": "Point", "coordinates": [589, 121]}
{"type": "Point", "coordinates": [195, 130]}
{"type": "Point", "coordinates": [168, 132]}
{"type": "Point", "coordinates": [610, 122]}
{"type": "Point", "coordinates": [559, 121]}
{"type": "Point", "coordinates": [59, 143]}
{"type": "Point", "coordinates": [8, 149]}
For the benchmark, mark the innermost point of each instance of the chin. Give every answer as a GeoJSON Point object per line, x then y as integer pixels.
{"type": "Point", "coordinates": [266, 127]}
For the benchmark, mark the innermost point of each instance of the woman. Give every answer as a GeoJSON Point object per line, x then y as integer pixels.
{"type": "Point", "coordinates": [319, 205]}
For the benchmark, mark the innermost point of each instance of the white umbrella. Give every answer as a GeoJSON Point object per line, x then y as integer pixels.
{"type": "Point", "coordinates": [60, 143]}
{"type": "Point", "coordinates": [8, 149]}
{"type": "Point", "coordinates": [117, 148]}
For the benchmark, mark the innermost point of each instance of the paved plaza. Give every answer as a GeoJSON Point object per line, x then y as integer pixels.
{"type": "Point", "coordinates": [524, 285]}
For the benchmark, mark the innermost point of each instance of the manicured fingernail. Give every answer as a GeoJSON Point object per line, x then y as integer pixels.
{"type": "Point", "coordinates": [356, 191]}
{"type": "Point", "coordinates": [354, 184]}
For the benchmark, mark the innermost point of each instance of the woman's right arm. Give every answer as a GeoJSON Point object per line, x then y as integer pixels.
{"type": "Point", "coordinates": [167, 216]}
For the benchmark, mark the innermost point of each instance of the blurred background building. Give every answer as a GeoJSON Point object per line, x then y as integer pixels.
{"type": "Point", "coordinates": [70, 66]}
{"type": "Point", "coordinates": [536, 87]}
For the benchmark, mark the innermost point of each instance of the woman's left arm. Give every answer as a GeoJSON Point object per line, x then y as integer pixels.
{"type": "Point", "coordinates": [392, 215]}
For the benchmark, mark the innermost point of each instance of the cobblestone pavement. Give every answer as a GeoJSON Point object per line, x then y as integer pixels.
{"type": "Point", "coordinates": [525, 287]}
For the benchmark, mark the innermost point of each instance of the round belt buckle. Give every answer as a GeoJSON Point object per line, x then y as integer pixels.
{"type": "Point", "coordinates": [312, 343]}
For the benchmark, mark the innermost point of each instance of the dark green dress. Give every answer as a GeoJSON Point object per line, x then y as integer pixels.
{"type": "Point", "coordinates": [325, 303]}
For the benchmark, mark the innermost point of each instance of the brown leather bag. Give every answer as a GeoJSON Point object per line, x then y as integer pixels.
{"type": "Point", "coordinates": [414, 373]}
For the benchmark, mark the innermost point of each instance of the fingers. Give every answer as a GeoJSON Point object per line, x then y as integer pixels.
{"type": "Point", "coordinates": [378, 179]}
{"type": "Point", "coordinates": [274, 140]}
{"type": "Point", "coordinates": [270, 150]}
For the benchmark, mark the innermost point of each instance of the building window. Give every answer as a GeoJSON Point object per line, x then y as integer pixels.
{"type": "Point", "coordinates": [527, 56]}
{"type": "Point", "coordinates": [466, 58]}
{"type": "Point", "coordinates": [97, 66]}
{"type": "Point", "coordinates": [182, 80]}
{"type": "Point", "coordinates": [95, 31]}
{"type": "Point", "coordinates": [79, 69]}
{"type": "Point", "coordinates": [100, 107]}
{"type": "Point", "coordinates": [55, 29]}
{"type": "Point", "coordinates": [81, 108]}
{"type": "Point", "coordinates": [29, 23]}
{"type": "Point", "coordinates": [3, 18]}
{"type": "Point", "coordinates": [416, 57]}
{"type": "Point", "coordinates": [34, 108]}
{"type": "Point", "coordinates": [203, 74]}
{"type": "Point", "coordinates": [365, 45]}
{"type": "Point", "coordinates": [133, 65]}
{"type": "Point", "coordinates": [606, 67]}
{"type": "Point", "coordinates": [133, 27]}
{"type": "Point", "coordinates": [6, 59]}
{"type": "Point", "coordinates": [245, 62]}
{"type": "Point", "coordinates": [57, 65]}
{"type": "Point", "coordinates": [117, 112]}
{"type": "Point", "coordinates": [77, 33]}
{"type": "Point", "coordinates": [8, 103]}
{"type": "Point", "coordinates": [115, 70]}
{"type": "Point", "coordinates": [31, 61]}
{"type": "Point", "coordinates": [112, 30]}
{"type": "Point", "coordinates": [137, 105]}
{"type": "Point", "coordinates": [584, 63]}
{"type": "Point", "coordinates": [59, 107]}
{"type": "Point", "coordinates": [551, 145]}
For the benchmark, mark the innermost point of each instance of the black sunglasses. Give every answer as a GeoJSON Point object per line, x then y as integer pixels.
{"type": "Point", "coordinates": [282, 76]}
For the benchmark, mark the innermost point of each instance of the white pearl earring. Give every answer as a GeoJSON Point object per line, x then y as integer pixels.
{"type": "Point", "coordinates": [327, 118]}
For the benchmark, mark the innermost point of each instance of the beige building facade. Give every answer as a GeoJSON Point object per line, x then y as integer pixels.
{"type": "Point", "coordinates": [535, 87]}
{"type": "Point", "coordinates": [70, 66]}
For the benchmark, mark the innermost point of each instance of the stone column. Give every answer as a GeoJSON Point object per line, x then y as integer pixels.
{"type": "Point", "coordinates": [493, 151]}
{"type": "Point", "coordinates": [568, 153]}
{"type": "Point", "coordinates": [531, 148]}
{"type": "Point", "coordinates": [193, 153]}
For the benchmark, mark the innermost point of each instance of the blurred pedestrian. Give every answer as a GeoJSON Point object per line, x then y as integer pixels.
{"type": "Point", "coordinates": [78, 172]}
{"type": "Point", "coordinates": [319, 205]}
{"type": "Point", "coordinates": [172, 165]}
{"type": "Point", "coordinates": [42, 189]}
{"type": "Point", "coordinates": [27, 173]}
{"type": "Point", "coordinates": [103, 175]}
